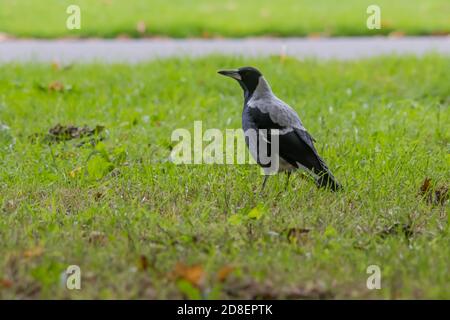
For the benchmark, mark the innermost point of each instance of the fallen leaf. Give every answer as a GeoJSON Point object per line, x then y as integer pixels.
{"type": "Point", "coordinates": [194, 274]}
{"type": "Point", "coordinates": [143, 263]}
{"type": "Point", "coordinates": [224, 272]}
{"type": "Point", "coordinates": [33, 252]}
{"type": "Point", "coordinates": [6, 283]}
{"type": "Point", "coordinates": [396, 34]}
{"type": "Point", "coordinates": [425, 187]}
{"type": "Point", "coordinates": [56, 86]}
{"type": "Point", "coordinates": [439, 196]}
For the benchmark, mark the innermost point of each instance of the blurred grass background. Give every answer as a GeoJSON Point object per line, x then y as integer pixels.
{"type": "Point", "coordinates": [215, 18]}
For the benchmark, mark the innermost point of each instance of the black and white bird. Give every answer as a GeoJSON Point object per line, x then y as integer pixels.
{"type": "Point", "coordinates": [263, 111]}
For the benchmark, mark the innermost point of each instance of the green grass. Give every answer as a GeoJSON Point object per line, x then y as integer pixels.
{"type": "Point", "coordinates": [127, 216]}
{"type": "Point", "coordinates": [208, 18]}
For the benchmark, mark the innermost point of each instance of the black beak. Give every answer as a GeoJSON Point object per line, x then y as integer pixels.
{"type": "Point", "coordinates": [231, 73]}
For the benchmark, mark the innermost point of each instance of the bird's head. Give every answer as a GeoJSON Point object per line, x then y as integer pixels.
{"type": "Point", "coordinates": [248, 77]}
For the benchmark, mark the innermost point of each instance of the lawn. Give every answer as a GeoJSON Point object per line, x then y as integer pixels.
{"type": "Point", "coordinates": [210, 18]}
{"type": "Point", "coordinates": [139, 226]}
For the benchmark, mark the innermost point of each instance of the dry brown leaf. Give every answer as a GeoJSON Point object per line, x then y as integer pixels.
{"type": "Point", "coordinates": [33, 252]}
{"type": "Point", "coordinates": [224, 272]}
{"type": "Point", "coordinates": [439, 196]}
{"type": "Point", "coordinates": [318, 35]}
{"type": "Point", "coordinates": [396, 34]}
{"type": "Point", "coordinates": [56, 86]}
{"type": "Point", "coordinates": [143, 263]}
{"type": "Point", "coordinates": [425, 187]}
{"type": "Point", "coordinates": [425, 190]}
{"type": "Point", "coordinates": [6, 283]}
{"type": "Point", "coordinates": [194, 274]}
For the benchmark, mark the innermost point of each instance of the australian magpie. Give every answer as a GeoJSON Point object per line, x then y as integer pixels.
{"type": "Point", "coordinates": [263, 111]}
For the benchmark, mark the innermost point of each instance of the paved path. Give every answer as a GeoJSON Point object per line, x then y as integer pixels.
{"type": "Point", "coordinates": [132, 51]}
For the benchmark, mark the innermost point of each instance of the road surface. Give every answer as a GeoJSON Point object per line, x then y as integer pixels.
{"type": "Point", "coordinates": [136, 50]}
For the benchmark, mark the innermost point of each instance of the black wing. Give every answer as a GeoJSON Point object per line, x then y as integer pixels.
{"type": "Point", "coordinates": [296, 147]}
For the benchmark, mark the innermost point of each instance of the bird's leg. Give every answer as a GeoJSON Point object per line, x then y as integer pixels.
{"type": "Point", "coordinates": [288, 175]}
{"type": "Point", "coordinates": [264, 182]}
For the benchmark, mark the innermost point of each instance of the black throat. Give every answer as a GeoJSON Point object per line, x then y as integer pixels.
{"type": "Point", "coordinates": [249, 85]}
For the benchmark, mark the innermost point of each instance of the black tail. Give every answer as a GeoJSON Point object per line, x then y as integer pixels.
{"type": "Point", "coordinates": [327, 180]}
